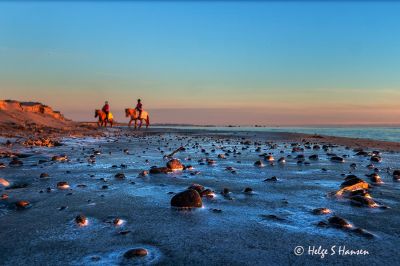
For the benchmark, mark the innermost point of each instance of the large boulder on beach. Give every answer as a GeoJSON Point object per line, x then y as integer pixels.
{"type": "Point", "coordinates": [175, 165]}
{"type": "Point", "coordinates": [352, 185]}
{"type": "Point", "coordinates": [187, 199]}
{"type": "Point", "coordinates": [352, 182]}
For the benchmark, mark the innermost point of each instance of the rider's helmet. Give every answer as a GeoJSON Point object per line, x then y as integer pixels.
{"type": "Point", "coordinates": [138, 100]}
{"type": "Point", "coordinates": [106, 102]}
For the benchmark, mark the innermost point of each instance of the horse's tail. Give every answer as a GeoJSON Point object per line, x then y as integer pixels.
{"type": "Point", "coordinates": [147, 120]}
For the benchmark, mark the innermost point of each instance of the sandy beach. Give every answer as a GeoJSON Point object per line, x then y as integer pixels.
{"type": "Point", "coordinates": [252, 214]}
{"type": "Point", "coordinates": [189, 133]}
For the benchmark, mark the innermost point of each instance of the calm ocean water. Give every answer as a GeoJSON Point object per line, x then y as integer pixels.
{"type": "Point", "coordinates": [376, 133]}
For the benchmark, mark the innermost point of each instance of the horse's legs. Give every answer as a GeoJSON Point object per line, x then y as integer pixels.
{"type": "Point", "coordinates": [130, 122]}
{"type": "Point", "coordinates": [135, 123]}
{"type": "Point", "coordinates": [141, 122]}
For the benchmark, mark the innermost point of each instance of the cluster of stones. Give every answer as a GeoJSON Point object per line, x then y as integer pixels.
{"type": "Point", "coordinates": [42, 142]}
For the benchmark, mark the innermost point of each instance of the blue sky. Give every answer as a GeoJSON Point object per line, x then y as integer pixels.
{"type": "Point", "coordinates": [273, 59]}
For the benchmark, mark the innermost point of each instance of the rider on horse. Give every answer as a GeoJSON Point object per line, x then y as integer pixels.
{"type": "Point", "coordinates": [139, 107]}
{"type": "Point", "coordinates": [106, 109]}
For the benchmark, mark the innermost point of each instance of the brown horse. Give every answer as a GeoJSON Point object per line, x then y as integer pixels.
{"type": "Point", "coordinates": [134, 115]}
{"type": "Point", "coordinates": [102, 118]}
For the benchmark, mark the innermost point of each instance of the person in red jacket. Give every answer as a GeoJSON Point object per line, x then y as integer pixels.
{"type": "Point", "coordinates": [139, 107]}
{"type": "Point", "coordinates": [106, 109]}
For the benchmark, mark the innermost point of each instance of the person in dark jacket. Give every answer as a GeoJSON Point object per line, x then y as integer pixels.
{"type": "Point", "coordinates": [106, 109]}
{"type": "Point", "coordinates": [139, 107]}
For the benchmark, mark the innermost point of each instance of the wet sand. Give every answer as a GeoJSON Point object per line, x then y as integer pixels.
{"type": "Point", "coordinates": [258, 228]}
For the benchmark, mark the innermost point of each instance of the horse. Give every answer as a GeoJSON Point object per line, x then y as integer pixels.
{"type": "Point", "coordinates": [102, 118]}
{"type": "Point", "coordinates": [133, 113]}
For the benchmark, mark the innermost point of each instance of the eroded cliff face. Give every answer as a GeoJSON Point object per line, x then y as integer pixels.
{"type": "Point", "coordinates": [30, 117]}
{"type": "Point", "coordinates": [30, 107]}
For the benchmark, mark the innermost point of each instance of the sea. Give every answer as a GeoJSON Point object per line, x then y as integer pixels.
{"type": "Point", "coordinates": [376, 133]}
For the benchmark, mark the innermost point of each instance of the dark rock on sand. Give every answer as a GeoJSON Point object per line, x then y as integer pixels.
{"type": "Point", "coordinates": [269, 158]}
{"type": "Point", "coordinates": [120, 176]}
{"type": "Point", "coordinates": [160, 170]}
{"type": "Point", "coordinates": [259, 163]}
{"type": "Point", "coordinates": [361, 153]}
{"type": "Point", "coordinates": [135, 253]}
{"type": "Point", "coordinates": [272, 217]}
{"type": "Point", "coordinates": [60, 158]}
{"type": "Point", "coordinates": [322, 224]}
{"type": "Point", "coordinates": [339, 222]}
{"type": "Point", "coordinates": [187, 199]}
{"type": "Point", "coordinates": [199, 188]}
{"type": "Point", "coordinates": [124, 232]}
{"type": "Point", "coordinates": [211, 162]}
{"type": "Point", "coordinates": [375, 178]}
{"type": "Point", "coordinates": [376, 159]}
{"type": "Point", "coordinates": [175, 165]}
{"type": "Point", "coordinates": [143, 174]}
{"type": "Point", "coordinates": [396, 175]}
{"type": "Point", "coordinates": [271, 179]}
{"type": "Point", "coordinates": [370, 166]}
{"type": "Point", "coordinates": [363, 233]}
{"type": "Point", "coordinates": [248, 190]}
{"type": "Point", "coordinates": [15, 162]}
{"type": "Point", "coordinates": [337, 159]}
{"type": "Point", "coordinates": [221, 156]}
{"type": "Point", "coordinates": [81, 220]}
{"type": "Point", "coordinates": [352, 182]}
{"type": "Point", "coordinates": [22, 204]}
{"type": "Point", "coordinates": [320, 211]}
{"type": "Point", "coordinates": [118, 221]}
{"type": "Point", "coordinates": [208, 193]}
{"type": "Point", "coordinates": [44, 175]}
{"type": "Point", "coordinates": [18, 185]}
{"type": "Point", "coordinates": [363, 201]}
{"type": "Point", "coordinates": [4, 182]}
{"type": "Point", "coordinates": [225, 191]}
{"type": "Point", "coordinates": [63, 185]}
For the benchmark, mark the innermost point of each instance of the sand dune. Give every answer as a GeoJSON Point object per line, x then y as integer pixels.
{"type": "Point", "coordinates": [32, 118]}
